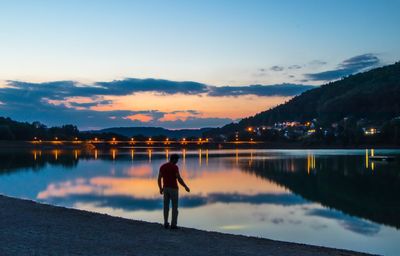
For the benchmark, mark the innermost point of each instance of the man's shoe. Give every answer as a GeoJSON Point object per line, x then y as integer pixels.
{"type": "Point", "coordinates": [175, 227]}
{"type": "Point", "coordinates": [166, 225]}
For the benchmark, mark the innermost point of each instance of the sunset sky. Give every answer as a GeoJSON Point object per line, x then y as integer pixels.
{"type": "Point", "coordinates": [181, 64]}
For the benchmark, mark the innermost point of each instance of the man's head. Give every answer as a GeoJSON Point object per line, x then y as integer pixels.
{"type": "Point", "coordinates": [174, 158]}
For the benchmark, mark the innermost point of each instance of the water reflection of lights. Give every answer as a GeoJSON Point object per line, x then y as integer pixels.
{"type": "Point", "coordinates": [113, 153]}
{"type": "Point", "coordinates": [237, 157]}
{"type": "Point", "coordinates": [369, 163]}
{"type": "Point", "coordinates": [310, 163]}
{"type": "Point", "coordinates": [206, 157]}
{"type": "Point", "coordinates": [251, 158]}
{"type": "Point", "coordinates": [184, 156]}
{"type": "Point", "coordinates": [200, 156]}
{"type": "Point", "coordinates": [149, 154]}
{"type": "Point", "coordinates": [55, 154]}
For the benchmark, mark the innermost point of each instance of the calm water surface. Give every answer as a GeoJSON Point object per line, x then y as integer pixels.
{"type": "Point", "coordinates": [335, 198]}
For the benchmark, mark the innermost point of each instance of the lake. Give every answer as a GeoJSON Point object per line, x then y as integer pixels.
{"type": "Point", "coordinates": [335, 198]}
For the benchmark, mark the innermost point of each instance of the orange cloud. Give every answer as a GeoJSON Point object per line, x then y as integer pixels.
{"type": "Point", "coordinates": [181, 115]}
{"type": "Point", "coordinates": [140, 117]}
{"type": "Point", "coordinates": [223, 107]}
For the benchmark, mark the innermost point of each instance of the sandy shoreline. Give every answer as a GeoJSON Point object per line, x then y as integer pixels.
{"type": "Point", "coordinates": [30, 228]}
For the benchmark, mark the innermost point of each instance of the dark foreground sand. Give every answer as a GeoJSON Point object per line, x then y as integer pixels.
{"type": "Point", "coordinates": [29, 228]}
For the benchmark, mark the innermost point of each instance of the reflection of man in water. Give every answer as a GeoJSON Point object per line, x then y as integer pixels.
{"type": "Point", "coordinates": [169, 173]}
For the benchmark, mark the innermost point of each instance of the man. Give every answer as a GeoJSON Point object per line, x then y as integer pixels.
{"type": "Point", "coordinates": [169, 173]}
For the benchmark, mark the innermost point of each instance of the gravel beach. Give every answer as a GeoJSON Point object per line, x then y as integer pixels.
{"type": "Point", "coordinates": [30, 228]}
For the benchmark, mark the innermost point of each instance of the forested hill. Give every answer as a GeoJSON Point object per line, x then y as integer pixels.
{"type": "Point", "coordinates": [374, 95]}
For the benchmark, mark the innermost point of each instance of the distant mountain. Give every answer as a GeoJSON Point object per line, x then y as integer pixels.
{"type": "Point", "coordinates": [374, 95]}
{"type": "Point", "coordinates": [154, 131]}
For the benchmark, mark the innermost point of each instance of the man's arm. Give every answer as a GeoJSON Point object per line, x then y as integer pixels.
{"type": "Point", "coordinates": [159, 182]}
{"type": "Point", "coordinates": [180, 180]}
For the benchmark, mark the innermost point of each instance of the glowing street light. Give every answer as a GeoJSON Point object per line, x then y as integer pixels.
{"type": "Point", "coordinates": [113, 141]}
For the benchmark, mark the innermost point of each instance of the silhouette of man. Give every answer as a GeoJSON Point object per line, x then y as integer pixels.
{"type": "Point", "coordinates": [169, 173]}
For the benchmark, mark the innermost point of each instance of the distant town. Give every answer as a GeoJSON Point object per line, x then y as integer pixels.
{"type": "Point", "coordinates": [346, 131]}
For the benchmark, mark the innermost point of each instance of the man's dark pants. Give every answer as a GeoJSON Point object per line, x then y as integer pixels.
{"type": "Point", "coordinates": [171, 194]}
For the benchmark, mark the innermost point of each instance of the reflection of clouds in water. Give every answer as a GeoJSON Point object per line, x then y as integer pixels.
{"type": "Point", "coordinates": [260, 216]}
{"type": "Point", "coordinates": [144, 171]}
{"type": "Point", "coordinates": [348, 222]}
{"type": "Point", "coordinates": [78, 186]}
{"type": "Point", "coordinates": [132, 203]}
{"type": "Point", "coordinates": [318, 226]}
{"type": "Point", "coordinates": [295, 222]}
{"type": "Point", "coordinates": [277, 199]}
{"type": "Point", "coordinates": [277, 220]}
{"type": "Point", "coordinates": [265, 216]}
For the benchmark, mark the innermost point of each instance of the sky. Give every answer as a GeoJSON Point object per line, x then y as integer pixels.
{"type": "Point", "coordinates": [181, 64]}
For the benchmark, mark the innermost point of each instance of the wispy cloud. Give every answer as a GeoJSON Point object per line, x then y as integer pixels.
{"type": "Point", "coordinates": [260, 90]}
{"type": "Point", "coordinates": [317, 63]}
{"type": "Point", "coordinates": [145, 118]}
{"type": "Point", "coordinates": [347, 67]}
{"type": "Point", "coordinates": [295, 67]}
{"type": "Point", "coordinates": [277, 68]}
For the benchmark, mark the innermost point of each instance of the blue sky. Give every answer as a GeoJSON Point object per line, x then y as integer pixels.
{"type": "Point", "coordinates": [217, 43]}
